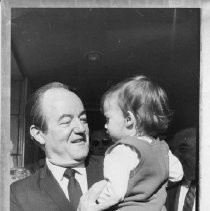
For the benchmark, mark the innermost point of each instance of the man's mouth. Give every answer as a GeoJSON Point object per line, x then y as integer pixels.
{"type": "Point", "coordinates": [78, 141]}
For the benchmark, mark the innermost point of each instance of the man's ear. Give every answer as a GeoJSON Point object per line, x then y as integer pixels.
{"type": "Point", "coordinates": [37, 134]}
{"type": "Point", "coordinates": [130, 119]}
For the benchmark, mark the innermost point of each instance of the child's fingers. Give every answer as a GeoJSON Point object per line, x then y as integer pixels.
{"type": "Point", "coordinates": [103, 197]}
{"type": "Point", "coordinates": [94, 192]}
{"type": "Point", "coordinates": [105, 205]}
{"type": "Point", "coordinates": [88, 200]}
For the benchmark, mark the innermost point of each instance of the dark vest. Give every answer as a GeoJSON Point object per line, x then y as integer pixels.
{"type": "Point", "coordinates": [147, 184]}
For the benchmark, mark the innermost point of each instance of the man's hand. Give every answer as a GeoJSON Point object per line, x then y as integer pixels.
{"type": "Point", "coordinates": [88, 200]}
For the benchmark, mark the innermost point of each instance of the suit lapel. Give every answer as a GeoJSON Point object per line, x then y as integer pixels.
{"type": "Point", "coordinates": [173, 192]}
{"type": "Point", "coordinates": [176, 194]}
{"type": "Point", "coordinates": [94, 169]}
{"type": "Point", "coordinates": [176, 204]}
{"type": "Point", "coordinates": [54, 191]}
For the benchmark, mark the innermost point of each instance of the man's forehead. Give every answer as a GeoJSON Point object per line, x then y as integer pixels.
{"type": "Point", "coordinates": [58, 92]}
{"type": "Point", "coordinates": [60, 98]}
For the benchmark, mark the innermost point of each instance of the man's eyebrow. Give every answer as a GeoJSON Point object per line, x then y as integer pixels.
{"type": "Point", "coordinates": [71, 116]}
{"type": "Point", "coordinates": [65, 115]}
{"type": "Point", "coordinates": [82, 113]}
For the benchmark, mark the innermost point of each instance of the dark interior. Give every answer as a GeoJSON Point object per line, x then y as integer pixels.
{"type": "Point", "coordinates": [92, 48]}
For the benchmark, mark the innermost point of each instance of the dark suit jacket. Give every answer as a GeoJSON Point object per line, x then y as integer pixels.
{"type": "Point", "coordinates": [41, 192]}
{"type": "Point", "coordinates": [173, 195]}
{"type": "Point", "coordinates": [173, 192]}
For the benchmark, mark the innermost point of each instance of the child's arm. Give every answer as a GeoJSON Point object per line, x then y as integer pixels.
{"type": "Point", "coordinates": [175, 168]}
{"type": "Point", "coordinates": [117, 167]}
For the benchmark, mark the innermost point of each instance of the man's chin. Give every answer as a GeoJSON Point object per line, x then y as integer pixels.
{"type": "Point", "coordinates": [69, 164]}
{"type": "Point", "coordinates": [77, 160]}
{"type": "Point", "coordinates": [81, 156]}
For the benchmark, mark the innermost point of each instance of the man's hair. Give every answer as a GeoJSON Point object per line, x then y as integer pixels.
{"type": "Point", "coordinates": [34, 113]}
{"type": "Point", "coordinates": [146, 100]}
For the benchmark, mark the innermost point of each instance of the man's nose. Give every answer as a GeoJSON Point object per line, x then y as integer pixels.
{"type": "Point", "coordinates": [79, 127]}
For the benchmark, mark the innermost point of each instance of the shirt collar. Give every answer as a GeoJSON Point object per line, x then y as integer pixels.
{"type": "Point", "coordinates": [187, 183]}
{"type": "Point", "coordinates": [58, 171]}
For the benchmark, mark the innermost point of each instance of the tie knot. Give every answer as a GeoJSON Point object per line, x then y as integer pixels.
{"type": "Point", "coordinates": [69, 173]}
{"type": "Point", "coordinates": [188, 183]}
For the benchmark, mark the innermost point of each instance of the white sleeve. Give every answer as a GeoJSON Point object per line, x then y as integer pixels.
{"type": "Point", "coordinates": [175, 168]}
{"type": "Point", "coordinates": [117, 167]}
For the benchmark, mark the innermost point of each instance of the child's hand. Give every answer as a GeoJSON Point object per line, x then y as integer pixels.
{"type": "Point", "coordinates": [108, 194]}
{"type": "Point", "coordinates": [88, 200]}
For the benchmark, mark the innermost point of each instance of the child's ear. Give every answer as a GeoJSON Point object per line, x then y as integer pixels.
{"type": "Point", "coordinates": [130, 119]}
{"type": "Point", "coordinates": [37, 134]}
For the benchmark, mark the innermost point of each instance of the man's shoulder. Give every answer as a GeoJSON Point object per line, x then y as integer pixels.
{"type": "Point", "coordinates": [26, 183]}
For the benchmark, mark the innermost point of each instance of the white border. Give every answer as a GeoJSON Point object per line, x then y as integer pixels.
{"type": "Point", "coordinates": [204, 75]}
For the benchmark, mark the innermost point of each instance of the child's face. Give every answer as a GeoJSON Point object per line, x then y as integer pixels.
{"type": "Point", "coordinates": [115, 121]}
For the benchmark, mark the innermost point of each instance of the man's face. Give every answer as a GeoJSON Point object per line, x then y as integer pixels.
{"type": "Point", "coordinates": [67, 136]}
{"type": "Point", "coordinates": [100, 141]}
{"type": "Point", "coordinates": [184, 147]}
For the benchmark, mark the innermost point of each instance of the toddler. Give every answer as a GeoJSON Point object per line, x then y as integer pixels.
{"type": "Point", "coordinates": [136, 167]}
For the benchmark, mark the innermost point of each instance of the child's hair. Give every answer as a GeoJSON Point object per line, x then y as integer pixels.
{"type": "Point", "coordinates": [146, 100]}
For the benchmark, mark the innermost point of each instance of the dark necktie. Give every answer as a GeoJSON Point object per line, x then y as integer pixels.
{"type": "Point", "coordinates": [74, 189]}
{"type": "Point", "coordinates": [189, 199]}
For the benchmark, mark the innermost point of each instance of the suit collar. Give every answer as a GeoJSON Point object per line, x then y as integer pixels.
{"type": "Point", "coordinates": [54, 191]}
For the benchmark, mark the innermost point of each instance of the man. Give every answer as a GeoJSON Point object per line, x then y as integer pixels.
{"type": "Point", "coordinates": [99, 142]}
{"type": "Point", "coordinates": [58, 123]}
{"type": "Point", "coordinates": [181, 195]}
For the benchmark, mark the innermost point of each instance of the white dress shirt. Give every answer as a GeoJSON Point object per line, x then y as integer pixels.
{"type": "Point", "coordinates": [176, 172]}
{"type": "Point", "coordinates": [124, 160]}
{"type": "Point", "coordinates": [80, 176]}
{"type": "Point", "coordinates": [183, 191]}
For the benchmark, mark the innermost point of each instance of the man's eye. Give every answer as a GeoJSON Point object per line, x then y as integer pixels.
{"type": "Point", "coordinates": [65, 123]}
{"type": "Point", "coordinates": [84, 119]}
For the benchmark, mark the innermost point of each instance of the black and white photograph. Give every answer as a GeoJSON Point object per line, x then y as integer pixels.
{"type": "Point", "coordinates": [103, 106]}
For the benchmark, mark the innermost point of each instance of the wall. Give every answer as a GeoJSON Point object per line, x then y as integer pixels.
{"type": "Point", "coordinates": [17, 114]}
{"type": "Point", "coordinates": [17, 126]}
